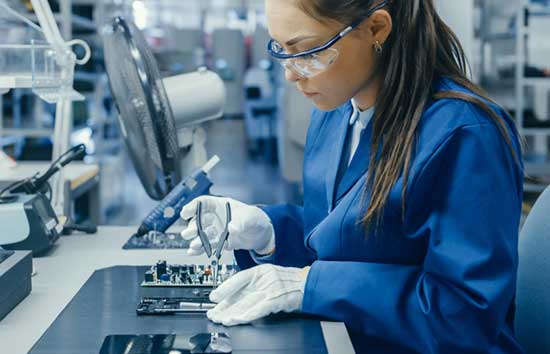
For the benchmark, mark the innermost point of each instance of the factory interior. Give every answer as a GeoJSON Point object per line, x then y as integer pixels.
{"type": "Point", "coordinates": [170, 183]}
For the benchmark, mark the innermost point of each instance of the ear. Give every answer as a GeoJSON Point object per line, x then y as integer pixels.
{"type": "Point", "coordinates": [379, 26]}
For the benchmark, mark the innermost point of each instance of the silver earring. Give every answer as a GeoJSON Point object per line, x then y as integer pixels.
{"type": "Point", "coordinates": [378, 47]}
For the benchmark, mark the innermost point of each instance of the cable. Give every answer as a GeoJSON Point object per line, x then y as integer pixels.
{"type": "Point", "coordinates": [15, 185]}
{"type": "Point", "coordinates": [70, 155]}
{"type": "Point", "coordinates": [38, 182]}
{"type": "Point", "coordinates": [11, 186]}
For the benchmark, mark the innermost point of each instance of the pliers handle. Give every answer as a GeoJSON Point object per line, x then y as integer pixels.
{"type": "Point", "coordinates": [204, 237]}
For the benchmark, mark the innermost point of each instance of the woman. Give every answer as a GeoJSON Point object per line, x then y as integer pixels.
{"type": "Point", "coordinates": [412, 189]}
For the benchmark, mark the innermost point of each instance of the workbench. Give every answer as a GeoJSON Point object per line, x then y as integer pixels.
{"type": "Point", "coordinates": [87, 287]}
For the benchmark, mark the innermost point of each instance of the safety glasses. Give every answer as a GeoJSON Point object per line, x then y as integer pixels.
{"type": "Point", "coordinates": [314, 61]}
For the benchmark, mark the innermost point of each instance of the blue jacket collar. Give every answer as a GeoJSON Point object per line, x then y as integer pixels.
{"type": "Point", "coordinates": [359, 164]}
{"type": "Point", "coordinates": [358, 167]}
{"type": "Point", "coordinates": [342, 115]}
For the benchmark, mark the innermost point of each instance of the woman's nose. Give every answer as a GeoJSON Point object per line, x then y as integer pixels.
{"type": "Point", "coordinates": [291, 75]}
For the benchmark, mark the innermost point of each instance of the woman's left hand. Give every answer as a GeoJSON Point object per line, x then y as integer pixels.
{"type": "Point", "coordinates": [257, 292]}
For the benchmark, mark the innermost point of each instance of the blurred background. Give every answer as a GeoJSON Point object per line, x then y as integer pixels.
{"type": "Point", "coordinates": [261, 136]}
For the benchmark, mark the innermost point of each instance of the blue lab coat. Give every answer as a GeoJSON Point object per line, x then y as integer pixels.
{"type": "Point", "coordinates": [440, 280]}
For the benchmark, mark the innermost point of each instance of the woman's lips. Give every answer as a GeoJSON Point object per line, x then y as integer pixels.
{"type": "Point", "coordinates": [310, 94]}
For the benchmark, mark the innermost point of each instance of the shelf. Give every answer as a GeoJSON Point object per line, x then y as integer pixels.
{"type": "Point", "coordinates": [500, 84]}
{"type": "Point", "coordinates": [537, 168]}
{"type": "Point", "coordinates": [13, 82]}
{"type": "Point", "coordinates": [86, 76]}
{"type": "Point", "coordinates": [541, 166]}
{"type": "Point", "coordinates": [83, 23]}
{"type": "Point", "coordinates": [535, 131]}
{"type": "Point", "coordinates": [78, 21]}
{"type": "Point", "coordinates": [536, 81]}
{"type": "Point", "coordinates": [534, 188]}
{"type": "Point", "coordinates": [505, 36]}
{"type": "Point", "coordinates": [8, 140]}
{"type": "Point", "coordinates": [27, 132]}
{"type": "Point", "coordinates": [538, 11]}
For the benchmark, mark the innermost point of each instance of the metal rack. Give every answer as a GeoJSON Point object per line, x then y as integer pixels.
{"type": "Point", "coordinates": [495, 39]}
{"type": "Point", "coordinates": [19, 130]}
{"type": "Point", "coordinates": [23, 127]}
{"type": "Point", "coordinates": [537, 163]}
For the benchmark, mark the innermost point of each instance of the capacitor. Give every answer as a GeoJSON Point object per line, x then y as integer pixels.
{"type": "Point", "coordinates": [161, 268]}
{"type": "Point", "coordinates": [149, 277]}
{"type": "Point", "coordinates": [165, 277]}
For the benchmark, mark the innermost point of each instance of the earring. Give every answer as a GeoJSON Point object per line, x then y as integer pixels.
{"type": "Point", "coordinates": [378, 47]}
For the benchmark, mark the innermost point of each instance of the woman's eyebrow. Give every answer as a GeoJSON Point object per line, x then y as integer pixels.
{"type": "Point", "coordinates": [299, 39]}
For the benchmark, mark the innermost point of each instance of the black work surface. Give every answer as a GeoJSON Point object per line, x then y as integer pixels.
{"type": "Point", "coordinates": [106, 305]}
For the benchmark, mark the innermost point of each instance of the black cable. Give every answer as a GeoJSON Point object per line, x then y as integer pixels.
{"type": "Point", "coordinates": [15, 185]}
{"type": "Point", "coordinates": [70, 155]}
{"type": "Point", "coordinates": [38, 182]}
{"type": "Point", "coordinates": [11, 186]}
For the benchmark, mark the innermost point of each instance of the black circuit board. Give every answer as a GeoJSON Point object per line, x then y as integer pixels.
{"type": "Point", "coordinates": [157, 240]}
{"type": "Point", "coordinates": [163, 306]}
{"type": "Point", "coordinates": [185, 275]}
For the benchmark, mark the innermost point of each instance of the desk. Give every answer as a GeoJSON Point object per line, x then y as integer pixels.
{"type": "Point", "coordinates": [61, 273]}
{"type": "Point", "coordinates": [80, 178]}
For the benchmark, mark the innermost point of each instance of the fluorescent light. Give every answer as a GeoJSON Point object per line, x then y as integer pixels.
{"type": "Point", "coordinates": [140, 14]}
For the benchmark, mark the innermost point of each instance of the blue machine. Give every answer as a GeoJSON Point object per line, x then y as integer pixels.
{"type": "Point", "coordinates": [168, 211]}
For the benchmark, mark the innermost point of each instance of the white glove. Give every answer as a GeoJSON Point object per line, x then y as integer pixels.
{"type": "Point", "coordinates": [250, 227]}
{"type": "Point", "coordinates": [258, 292]}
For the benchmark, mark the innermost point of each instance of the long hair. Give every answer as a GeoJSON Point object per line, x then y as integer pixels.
{"type": "Point", "coordinates": [420, 50]}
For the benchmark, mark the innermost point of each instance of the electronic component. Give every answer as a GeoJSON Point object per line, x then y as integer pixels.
{"type": "Point", "coordinates": [157, 240]}
{"type": "Point", "coordinates": [42, 222]}
{"type": "Point", "coordinates": [149, 306]}
{"type": "Point", "coordinates": [187, 275]}
{"type": "Point", "coordinates": [201, 343]}
{"type": "Point", "coordinates": [28, 223]}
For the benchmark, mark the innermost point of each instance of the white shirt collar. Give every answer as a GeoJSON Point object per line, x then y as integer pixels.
{"type": "Point", "coordinates": [363, 116]}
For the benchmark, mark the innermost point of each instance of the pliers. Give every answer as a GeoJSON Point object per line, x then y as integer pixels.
{"type": "Point", "coordinates": [206, 242]}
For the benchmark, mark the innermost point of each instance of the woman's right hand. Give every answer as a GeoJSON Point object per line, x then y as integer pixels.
{"type": "Point", "coordinates": [249, 229]}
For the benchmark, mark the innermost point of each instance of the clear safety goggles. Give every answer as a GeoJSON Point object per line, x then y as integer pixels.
{"type": "Point", "coordinates": [312, 64]}
{"type": "Point", "coordinates": [314, 61]}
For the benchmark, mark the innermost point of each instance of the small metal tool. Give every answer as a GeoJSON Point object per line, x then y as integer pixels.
{"type": "Point", "coordinates": [206, 242]}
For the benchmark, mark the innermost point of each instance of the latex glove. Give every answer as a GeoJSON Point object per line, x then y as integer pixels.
{"type": "Point", "coordinates": [250, 227]}
{"type": "Point", "coordinates": [258, 292]}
